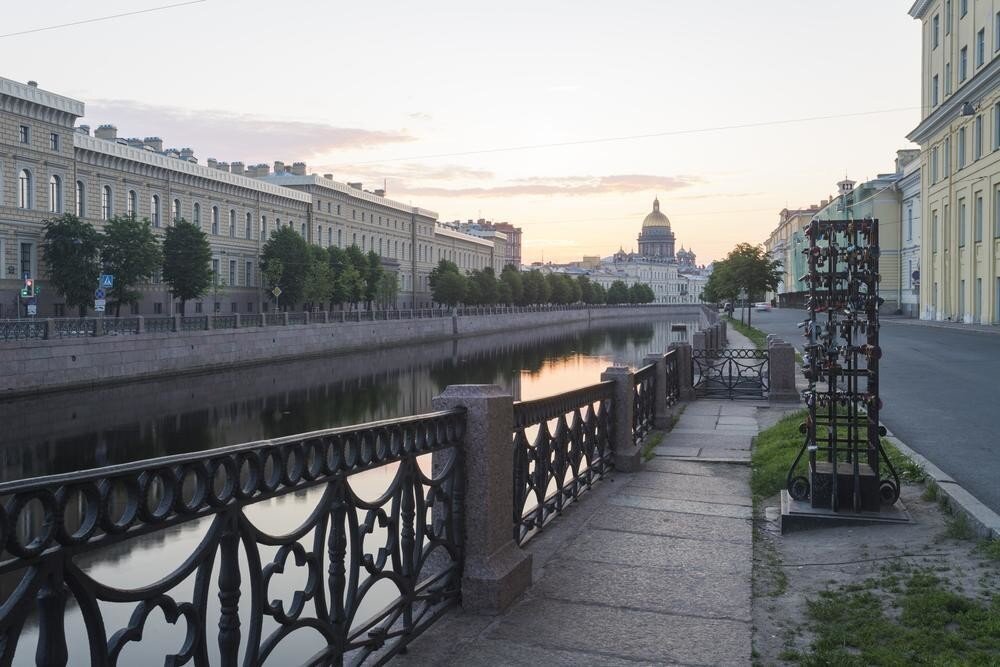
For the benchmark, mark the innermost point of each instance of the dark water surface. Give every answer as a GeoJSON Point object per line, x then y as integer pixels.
{"type": "Point", "coordinates": [85, 429]}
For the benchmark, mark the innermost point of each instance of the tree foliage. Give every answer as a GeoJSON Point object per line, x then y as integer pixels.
{"type": "Point", "coordinates": [187, 258]}
{"type": "Point", "coordinates": [292, 251]}
{"type": "Point", "coordinates": [131, 252]}
{"type": "Point", "coordinates": [746, 268]}
{"type": "Point", "coordinates": [71, 249]}
{"type": "Point", "coordinates": [318, 285]}
{"type": "Point", "coordinates": [618, 293]}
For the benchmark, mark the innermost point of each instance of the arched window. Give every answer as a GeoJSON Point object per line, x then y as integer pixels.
{"type": "Point", "coordinates": [277, 223]}
{"type": "Point", "coordinates": [24, 189]}
{"type": "Point", "coordinates": [303, 228]}
{"type": "Point", "coordinates": [215, 219]}
{"type": "Point", "coordinates": [319, 234]}
{"type": "Point", "coordinates": [232, 224]}
{"type": "Point", "coordinates": [177, 210]}
{"type": "Point", "coordinates": [249, 226]}
{"type": "Point", "coordinates": [329, 236]}
{"type": "Point", "coordinates": [81, 209]}
{"type": "Point", "coordinates": [107, 203]}
{"type": "Point", "coordinates": [363, 243]}
{"type": "Point", "coordinates": [263, 227]}
{"type": "Point", "coordinates": [55, 194]}
{"type": "Point", "coordinates": [196, 214]}
{"type": "Point", "coordinates": [154, 209]}
{"type": "Point", "coordinates": [131, 204]}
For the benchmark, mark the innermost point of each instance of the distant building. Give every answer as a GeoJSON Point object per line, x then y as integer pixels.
{"type": "Point", "coordinates": [511, 236]}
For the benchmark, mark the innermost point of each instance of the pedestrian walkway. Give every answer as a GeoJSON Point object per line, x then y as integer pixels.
{"type": "Point", "coordinates": [942, 324]}
{"type": "Point", "coordinates": [652, 567]}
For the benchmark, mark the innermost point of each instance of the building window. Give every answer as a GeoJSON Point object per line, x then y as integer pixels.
{"type": "Point", "coordinates": [909, 223]}
{"type": "Point", "coordinates": [27, 252]}
{"type": "Point", "coordinates": [249, 306]}
{"type": "Point", "coordinates": [947, 17]}
{"type": "Point", "coordinates": [947, 79]}
{"type": "Point", "coordinates": [961, 147]}
{"type": "Point", "coordinates": [277, 223]}
{"type": "Point", "coordinates": [329, 236]}
{"type": "Point", "coordinates": [249, 274]}
{"type": "Point", "coordinates": [980, 47]}
{"type": "Point", "coordinates": [54, 141]}
{"type": "Point", "coordinates": [934, 164]}
{"type": "Point", "coordinates": [340, 238]}
{"type": "Point", "coordinates": [963, 8]}
{"type": "Point", "coordinates": [977, 138]}
{"type": "Point", "coordinates": [154, 209]}
{"type": "Point", "coordinates": [177, 210]}
{"type": "Point", "coordinates": [80, 207]}
{"type": "Point", "coordinates": [215, 271]}
{"type": "Point", "coordinates": [55, 194]}
{"type": "Point", "coordinates": [198, 307]}
{"type": "Point", "coordinates": [196, 213]}
{"type": "Point", "coordinates": [131, 203]}
{"type": "Point", "coordinates": [232, 224]}
{"type": "Point", "coordinates": [961, 223]}
{"type": "Point", "coordinates": [338, 209]}
{"type": "Point", "coordinates": [934, 90]}
{"type": "Point", "coordinates": [233, 307]}
{"type": "Point", "coordinates": [977, 229]}
{"type": "Point", "coordinates": [24, 189]}
{"type": "Point", "coordinates": [232, 272]}
{"type": "Point", "coordinates": [107, 203]}
{"type": "Point", "coordinates": [24, 134]}
{"type": "Point", "coordinates": [319, 234]}
{"type": "Point", "coordinates": [303, 230]}
{"type": "Point", "coordinates": [963, 63]}
{"type": "Point", "coordinates": [996, 212]}
{"type": "Point", "coordinates": [248, 232]}
{"type": "Point", "coordinates": [996, 32]}
{"type": "Point", "coordinates": [215, 219]}
{"type": "Point", "coordinates": [934, 231]}
{"type": "Point", "coordinates": [936, 30]}
{"type": "Point", "coordinates": [996, 126]}
{"type": "Point", "coordinates": [263, 227]}
{"type": "Point", "coordinates": [158, 308]}
{"type": "Point", "coordinates": [947, 157]}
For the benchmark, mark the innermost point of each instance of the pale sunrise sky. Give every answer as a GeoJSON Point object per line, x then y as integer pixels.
{"type": "Point", "coordinates": [423, 94]}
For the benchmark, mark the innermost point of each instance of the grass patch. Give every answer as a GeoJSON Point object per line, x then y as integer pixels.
{"type": "Point", "coordinates": [652, 441]}
{"type": "Point", "coordinates": [769, 577]}
{"type": "Point", "coordinates": [756, 336]}
{"type": "Point", "coordinates": [907, 469]}
{"type": "Point", "coordinates": [989, 549]}
{"type": "Point", "coordinates": [914, 619]}
{"type": "Point", "coordinates": [959, 527]}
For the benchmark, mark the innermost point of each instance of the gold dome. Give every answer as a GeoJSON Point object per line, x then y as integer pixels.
{"type": "Point", "coordinates": [656, 219]}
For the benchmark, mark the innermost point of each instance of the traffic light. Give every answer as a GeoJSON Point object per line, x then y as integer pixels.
{"type": "Point", "coordinates": [28, 290]}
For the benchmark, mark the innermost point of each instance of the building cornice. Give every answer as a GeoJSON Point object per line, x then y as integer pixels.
{"type": "Point", "coordinates": [84, 142]}
{"type": "Point", "coordinates": [344, 188]}
{"type": "Point", "coordinates": [920, 8]}
{"type": "Point", "coordinates": [978, 87]}
{"type": "Point", "coordinates": [441, 230]}
{"type": "Point", "coordinates": [41, 97]}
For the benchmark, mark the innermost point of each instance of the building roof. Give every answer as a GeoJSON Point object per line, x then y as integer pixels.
{"type": "Point", "coordinates": [32, 93]}
{"type": "Point", "coordinates": [656, 219]}
{"type": "Point", "coordinates": [287, 179]}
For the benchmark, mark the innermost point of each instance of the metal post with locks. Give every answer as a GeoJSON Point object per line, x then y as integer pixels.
{"type": "Point", "coordinates": [841, 467]}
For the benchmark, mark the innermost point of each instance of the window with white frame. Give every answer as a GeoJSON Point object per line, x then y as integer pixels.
{"type": "Point", "coordinates": [249, 273]}
{"type": "Point", "coordinates": [977, 138]}
{"type": "Point", "coordinates": [196, 214]}
{"type": "Point", "coordinates": [131, 203]}
{"type": "Point", "coordinates": [24, 134]}
{"type": "Point", "coordinates": [961, 223]}
{"type": "Point", "coordinates": [232, 224]}
{"type": "Point", "coordinates": [232, 273]}
{"type": "Point", "coordinates": [977, 219]}
{"type": "Point", "coordinates": [177, 210]}
{"type": "Point", "coordinates": [154, 210]}
{"type": "Point", "coordinates": [55, 194]}
{"type": "Point", "coordinates": [107, 203]}
{"type": "Point", "coordinates": [961, 148]}
{"type": "Point", "coordinates": [24, 189]}
{"type": "Point", "coordinates": [81, 208]}
{"type": "Point", "coordinates": [248, 227]}
{"type": "Point", "coordinates": [963, 63]}
{"type": "Point", "coordinates": [934, 90]}
{"type": "Point", "coordinates": [215, 219]}
{"type": "Point", "coordinates": [936, 31]}
{"type": "Point", "coordinates": [980, 47]}
{"type": "Point", "coordinates": [54, 141]}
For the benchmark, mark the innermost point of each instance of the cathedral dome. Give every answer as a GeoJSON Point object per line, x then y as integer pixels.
{"type": "Point", "coordinates": [656, 219]}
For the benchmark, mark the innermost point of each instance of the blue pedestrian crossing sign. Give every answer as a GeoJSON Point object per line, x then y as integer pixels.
{"type": "Point", "coordinates": [107, 280]}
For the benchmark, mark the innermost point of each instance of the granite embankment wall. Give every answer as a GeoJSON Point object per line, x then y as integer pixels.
{"type": "Point", "coordinates": [33, 365]}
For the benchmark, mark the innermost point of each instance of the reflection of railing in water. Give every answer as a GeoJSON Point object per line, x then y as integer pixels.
{"type": "Point", "coordinates": [419, 515]}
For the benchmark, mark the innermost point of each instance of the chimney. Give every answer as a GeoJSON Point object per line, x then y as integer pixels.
{"type": "Point", "coordinates": [84, 129]}
{"type": "Point", "coordinates": [236, 168]}
{"type": "Point", "coordinates": [107, 132]}
{"type": "Point", "coordinates": [135, 142]}
{"type": "Point", "coordinates": [356, 186]}
{"type": "Point", "coordinates": [279, 167]}
{"type": "Point", "coordinates": [299, 168]}
{"type": "Point", "coordinates": [172, 152]}
{"type": "Point", "coordinates": [32, 84]}
{"type": "Point", "coordinates": [380, 192]}
{"type": "Point", "coordinates": [213, 163]}
{"type": "Point", "coordinates": [222, 166]}
{"type": "Point", "coordinates": [328, 177]}
{"type": "Point", "coordinates": [187, 154]}
{"type": "Point", "coordinates": [154, 143]}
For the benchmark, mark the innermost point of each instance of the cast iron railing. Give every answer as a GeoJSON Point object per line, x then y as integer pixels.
{"type": "Point", "coordinates": [731, 373]}
{"type": "Point", "coordinates": [158, 324]}
{"type": "Point", "coordinates": [673, 387]}
{"type": "Point", "coordinates": [408, 535]}
{"type": "Point", "coordinates": [79, 327]}
{"type": "Point", "coordinates": [224, 322]}
{"type": "Point", "coordinates": [562, 444]}
{"type": "Point", "coordinates": [21, 329]}
{"type": "Point", "coordinates": [194, 323]}
{"type": "Point", "coordinates": [643, 401]}
{"type": "Point", "coordinates": [296, 318]}
{"type": "Point", "coordinates": [120, 326]}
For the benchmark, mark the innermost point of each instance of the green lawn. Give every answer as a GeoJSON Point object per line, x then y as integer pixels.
{"type": "Point", "coordinates": [756, 336]}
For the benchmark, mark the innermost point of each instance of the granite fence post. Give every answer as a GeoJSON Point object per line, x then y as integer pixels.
{"type": "Point", "coordinates": [685, 370]}
{"type": "Point", "coordinates": [140, 326]}
{"type": "Point", "coordinates": [496, 570]}
{"type": "Point", "coordinates": [237, 322]}
{"type": "Point", "coordinates": [177, 322]}
{"type": "Point", "coordinates": [699, 340]}
{"type": "Point", "coordinates": [628, 456]}
{"type": "Point", "coordinates": [781, 371]}
{"type": "Point", "coordinates": [209, 321]}
{"type": "Point", "coordinates": [661, 411]}
{"type": "Point", "coordinates": [723, 328]}
{"type": "Point", "coordinates": [284, 318]}
{"type": "Point", "coordinates": [50, 329]}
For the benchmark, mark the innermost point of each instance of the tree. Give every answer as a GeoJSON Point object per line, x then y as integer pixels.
{"type": "Point", "coordinates": [187, 258]}
{"type": "Point", "coordinates": [449, 288]}
{"type": "Point", "coordinates": [572, 289]}
{"type": "Point", "coordinates": [373, 274]}
{"type": "Point", "coordinates": [71, 249]}
{"type": "Point", "coordinates": [318, 283]}
{"type": "Point", "coordinates": [746, 268]}
{"type": "Point", "coordinates": [510, 278]}
{"type": "Point", "coordinates": [600, 294]}
{"type": "Point", "coordinates": [641, 293]}
{"type": "Point", "coordinates": [289, 248]}
{"type": "Point", "coordinates": [271, 275]}
{"type": "Point", "coordinates": [486, 286]}
{"type": "Point", "coordinates": [350, 285]}
{"type": "Point", "coordinates": [558, 289]}
{"type": "Point", "coordinates": [586, 289]}
{"type": "Point", "coordinates": [388, 290]}
{"type": "Point", "coordinates": [131, 252]}
{"type": "Point", "coordinates": [443, 266]}
{"type": "Point", "coordinates": [536, 288]}
{"type": "Point", "coordinates": [618, 293]}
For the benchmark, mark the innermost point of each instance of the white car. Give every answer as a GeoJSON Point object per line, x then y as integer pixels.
{"type": "Point", "coordinates": [762, 306]}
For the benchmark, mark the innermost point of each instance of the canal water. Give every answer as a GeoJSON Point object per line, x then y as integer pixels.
{"type": "Point", "coordinates": [72, 431]}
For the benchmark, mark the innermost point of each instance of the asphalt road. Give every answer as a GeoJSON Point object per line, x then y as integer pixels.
{"type": "Point", "coordinates": [940, 389]}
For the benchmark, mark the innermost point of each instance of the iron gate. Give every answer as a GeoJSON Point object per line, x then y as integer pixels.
{"type": "Point", "coordinates": [732, 373]}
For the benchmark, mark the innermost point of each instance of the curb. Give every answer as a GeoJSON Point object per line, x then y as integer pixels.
{"type": "Point", "coordinates": [984, 521]}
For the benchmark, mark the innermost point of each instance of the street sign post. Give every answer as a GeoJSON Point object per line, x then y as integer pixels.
{"type": "Point", "coordinates": [99, 294]}
{"type": "Point", "coordinates": [32, 309]}
{"type": "Point", "coordinates": [99, 305]}
{"type": "Point", "coordinates": [107, 280]}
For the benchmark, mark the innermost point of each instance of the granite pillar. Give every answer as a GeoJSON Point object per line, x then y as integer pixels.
{"type": "Point", "coordinates": [628, 456]}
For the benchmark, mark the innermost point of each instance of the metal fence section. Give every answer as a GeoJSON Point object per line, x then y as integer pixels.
{"type": "Point", "coordinates": [643, 401]}
{"type": "Point", "coordinates": [733, 373]}
{"type": "Point", "coordinates": [21, 329]}
{"type": "Point", "coordinates": [224, 322]}
{"type": "Point", "coordinates": [297, 318]}
{"type": "Point", "coordinates": [158, 324]}
{"type": "Point", "coordinates": [120, 326]}
{"type": "Point", "coordinates": [673, 388]}
{"type": "Point", "coordinates": [561, 446]}
{"type": "Point", "coordinates": [194, 323]}
{"type": "Point", "coordinates": [79, 327]}
{"type": "Point", "coordinates": [345, 547]}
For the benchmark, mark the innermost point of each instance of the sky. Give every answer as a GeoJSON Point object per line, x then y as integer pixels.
{"type": "Point", "coordinates": [564, 117]}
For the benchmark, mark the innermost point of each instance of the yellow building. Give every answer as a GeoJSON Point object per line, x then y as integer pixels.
{"type": "Point", "coordinates": [959, 137]}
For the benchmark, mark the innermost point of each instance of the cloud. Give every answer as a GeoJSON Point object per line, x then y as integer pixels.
{"type": "Point", "coordinates": [408, 171]}
{"type": "Point", "coordinates": [234, 136]}
{"type": "Point", "coordinates": [419, 115]}
{"type": "Point", "coordinates": [560, 185]}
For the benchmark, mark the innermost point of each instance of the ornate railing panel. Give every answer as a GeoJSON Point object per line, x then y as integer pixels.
{"type": "Point", "coordinates": [158, 324]}
{"type": "Point", "coordinates": [273, 319]}
{"type": "Point", "coordinates": [21, 329]}
{"type": "Point", "coordinates": [78, 327]}
{"type": "Point", "coordinates": [562, 444]}
{"type": "Point", "coordinates": [407, 535]}
{"type": "Point", "coordinates": [673, 387]}
{"type": "Point", "coordinates": [643, 401]}
{"type": "Point", "coordinates": [224, 322]}
{"type": "Point", "coordinates": [731, 373]}
{"type": "Point", "coordinates": [296, 318]}
{"type": "Point", "coordinates": [194, 323]}
{"type": "Point", "coordinates": [121, 326]}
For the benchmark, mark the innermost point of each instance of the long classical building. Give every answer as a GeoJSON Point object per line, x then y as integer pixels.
{"type": "Point", "coordinates": [959, 137]}
{"type": "Point", "coordinates": [49, 166]}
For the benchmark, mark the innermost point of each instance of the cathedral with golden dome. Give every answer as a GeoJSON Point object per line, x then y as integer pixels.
{"type": "Point", "coordinates": [656, 239]}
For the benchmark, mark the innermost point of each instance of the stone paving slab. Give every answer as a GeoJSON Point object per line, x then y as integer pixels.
{"type": "Point", "coordinates": [688, 484]}
{"type": "Point", "coordinates": [713, 439]}
{"type": "Point", "coordinates": [682, 494]}
{"type": "Point", "coordinates": [677, 451]}
{"type": "Point", "coordinates": [707, 422]}
{"type": "Point", "coordinates": [686, 506]}
{"type": "Point", "coordinates": [673, 524]}
{"type": "Point", "coordinates": [518, 654]}
{"type": "Point", "coordinates": [738, 420]}
{"type": "Point", "coordinates": [638, 635]}
{"type": "Point", "coordinates": [692, 592]}
{"type": "Point", "coordinates": [660, 464]}
{"type": "Point", "coordinates": [702, 408]}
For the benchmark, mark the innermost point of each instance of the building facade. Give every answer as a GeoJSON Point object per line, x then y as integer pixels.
{"type": "Point", "coordinates": [785, 245]}
{"type": "Point", "coordinates": [909, 248]}
{"type": "Point", "coordinates": [959, 137]}
{"type": "Point", "coordinates": [485, 229]}
{"type": "Point", "coordinates": [49, 166]}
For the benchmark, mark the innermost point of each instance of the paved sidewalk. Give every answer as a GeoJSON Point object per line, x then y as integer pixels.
{"type": "Point", "coordinates": [652, 567]}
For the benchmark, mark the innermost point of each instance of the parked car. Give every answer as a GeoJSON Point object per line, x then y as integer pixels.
{"type": "Point", "coordinates": [762, 306]}
{"type": "Point", "coordinates": [728, 307]}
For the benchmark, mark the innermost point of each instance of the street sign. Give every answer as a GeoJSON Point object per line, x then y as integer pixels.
{"type": "Point", "coordinates": [32, 301]}
{"type": "Point", "coordinates": [99, 305]}
{"type": "Point", "coordinates": [276, 291]}
{"type": "Point", "coordinates": [99, 294]}
{"type": "Point", "coordinates": [32, 309]}
{"type": "Point", "coordinates": [107, 280]}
